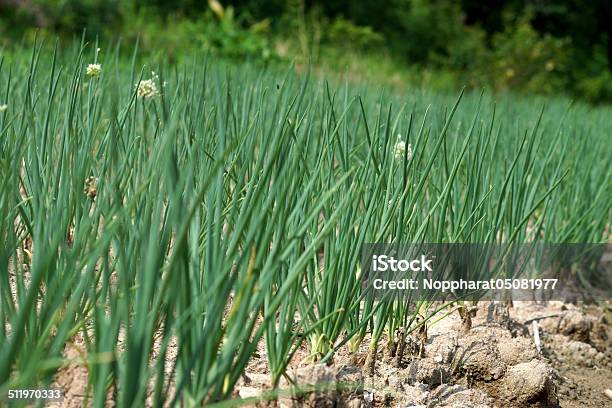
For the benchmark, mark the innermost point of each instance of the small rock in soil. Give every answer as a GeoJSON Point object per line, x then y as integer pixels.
{"type": "Point", "coordinates": [517, 350]}
{"type": "Point", "coordinates": [530, 382]}
{"type": "Point", "coordinates": [323, 379]}
{"type": "Point", "coordinates": [415, 395]}
{"type": "Point", "coordinates": [576, 325]}
{"type": "Point", "coordinates": [482, 361]}
{"type": "Point", "coordinates": [428, 371]}
{"type": "Point", "coordinates": [443, 347]}
{"type": "Point", "coordinates": [248, 392]}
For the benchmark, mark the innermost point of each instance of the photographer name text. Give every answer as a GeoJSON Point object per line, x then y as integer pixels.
{"type": "Point", "coordinates": [385, 263]}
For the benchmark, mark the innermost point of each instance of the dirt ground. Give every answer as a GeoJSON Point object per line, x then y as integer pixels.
{"type": "Point", "coordinates": [496, 363]}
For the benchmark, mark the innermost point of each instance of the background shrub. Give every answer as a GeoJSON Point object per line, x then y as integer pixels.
{"type": "Point", "coordinates": [551, 46]}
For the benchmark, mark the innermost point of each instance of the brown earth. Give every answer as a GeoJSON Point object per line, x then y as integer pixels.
{"type": "Point", "coordinates": [494, 364]}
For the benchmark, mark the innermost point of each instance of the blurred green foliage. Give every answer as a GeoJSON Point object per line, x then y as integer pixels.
{"type": "Point", "coordinates": [545, 46]}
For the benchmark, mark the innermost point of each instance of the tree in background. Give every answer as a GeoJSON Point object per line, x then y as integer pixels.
{"type": "Point", "coordinates": [534, 45]}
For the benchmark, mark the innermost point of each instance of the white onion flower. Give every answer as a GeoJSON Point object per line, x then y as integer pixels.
{"type": "Point", "coordinates": [3, 107]}
{"type": "Point", "coordinates": [94, 70]}
{"type": "Point", "coordinates": [148, 88]}
{"type": "Point", "coordinates": [400, 150]}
